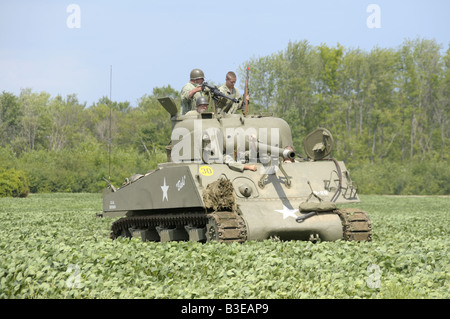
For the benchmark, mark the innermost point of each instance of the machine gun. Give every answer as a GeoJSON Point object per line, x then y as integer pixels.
{"type": "Point", "coordinates": [216, 94]}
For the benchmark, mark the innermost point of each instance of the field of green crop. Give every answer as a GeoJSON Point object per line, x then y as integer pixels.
{"type": "Point", "coordinates": [53, 246]}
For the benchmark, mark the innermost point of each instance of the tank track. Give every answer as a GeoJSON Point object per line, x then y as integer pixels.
{"type": "Point", "coordinates": [229, 227]}
{"type": "Point", "coordinates": [356, 224]}
{"type": "Point", "coordinates": [122, 226]}
{"type": "Point", "coordinates": [226, 227]}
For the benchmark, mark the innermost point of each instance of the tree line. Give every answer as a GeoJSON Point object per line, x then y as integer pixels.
{"type": "Point", "coordinates": [62, 145]}
{"type": "Point", "coordinates": [388, 111]}
{"type": "Point", "coordinates": [393, 103]}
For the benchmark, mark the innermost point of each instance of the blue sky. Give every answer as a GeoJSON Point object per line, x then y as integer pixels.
{"type": "Point", "coordinates": [157, 43]}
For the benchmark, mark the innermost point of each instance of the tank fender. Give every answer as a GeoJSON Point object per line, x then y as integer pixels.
{"type": "Point", "coordinates": [169, 187]}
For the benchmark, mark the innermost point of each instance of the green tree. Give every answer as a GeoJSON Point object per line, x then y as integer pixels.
{"type": "Point", "coordinates": [35, 120]}
{"type": "Point", "coordinates": [154, 132]}
{"type": "Point", "coordinates": [10, 117]}
{"type": "Point", "coordinates": [262, 84]}
{"type": "Point", "coordinates": [66, 128]}
{"type": "Point", "coordinates": [422, 72]}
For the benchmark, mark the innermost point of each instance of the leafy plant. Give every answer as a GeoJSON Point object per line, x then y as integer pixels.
{"type": "Point", "coordinates": [13, 183]}
{"type": "Point", "coordinates": [53, 246]}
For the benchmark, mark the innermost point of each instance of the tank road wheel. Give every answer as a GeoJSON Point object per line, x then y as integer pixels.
{"type": "Point", "coordinates": [226, 227]}
{"type": "Point", "coordinates": [172, 226]}
{"type": "Point", "coordinates": [122, 233]}
{"type": "Point", "coordinates": [356, 224]}
{"type": "Point", "coordinates": [212, 230]}
{"type": "Point", "coordinates": [120, 230]}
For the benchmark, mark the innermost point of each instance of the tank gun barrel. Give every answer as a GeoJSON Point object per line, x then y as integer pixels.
{"type": "Point", "coordinates": [284, 152]}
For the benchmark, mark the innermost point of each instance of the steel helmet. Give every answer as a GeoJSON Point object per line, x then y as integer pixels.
{"type": "Point", "coordinates": [197, 74]}
{"type": "Point", "coordinates": [201, 100]}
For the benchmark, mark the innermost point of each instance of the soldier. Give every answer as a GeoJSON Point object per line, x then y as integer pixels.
{"type": "Point", "coordinates": [240, 165]}
{"type": "Point", "coordinates": [201, 106]}
{"type": "Point", "coordinates": [225, 105]}
{"type": "Point", "coordinates": [239, 160]}
{"type": "Point", "coordinates": [191, 91]}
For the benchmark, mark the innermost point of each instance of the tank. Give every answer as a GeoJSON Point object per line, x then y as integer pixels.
{"type": "Point", "coordinates": [234, 178]}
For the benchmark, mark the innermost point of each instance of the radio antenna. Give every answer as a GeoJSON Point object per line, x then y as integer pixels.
{"type": "Point", "coordinates": [110, 125]}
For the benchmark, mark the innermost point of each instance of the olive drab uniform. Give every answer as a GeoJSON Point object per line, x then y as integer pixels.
{"type": "Point", "coordinates": [188, 104]}
{"type": "Point", "coordinates": [228, 105]}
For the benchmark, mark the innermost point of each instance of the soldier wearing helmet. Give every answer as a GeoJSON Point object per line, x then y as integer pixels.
{"type": "Point", "coordinates": [192, 91]}
{"type": "Point", "coordinates": [201, 106]}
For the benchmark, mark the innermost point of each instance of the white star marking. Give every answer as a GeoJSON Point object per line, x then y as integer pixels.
{"type": "Point", "coordinates": [287, 212]}
{"type": "Point", "coordinates": [165, 188]}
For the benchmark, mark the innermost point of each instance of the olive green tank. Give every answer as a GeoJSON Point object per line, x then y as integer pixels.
{"type": "Point", "coordinates": [233, 178]}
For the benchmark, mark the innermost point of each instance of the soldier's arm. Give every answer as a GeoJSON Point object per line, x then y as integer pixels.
{"type": "Point", "coordinates": [195, 90]}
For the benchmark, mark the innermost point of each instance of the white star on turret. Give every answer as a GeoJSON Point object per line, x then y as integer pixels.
{"type": "Point", "coordinates": [165, 188]}
{"type": "Point", "coordinates": [287, 212]}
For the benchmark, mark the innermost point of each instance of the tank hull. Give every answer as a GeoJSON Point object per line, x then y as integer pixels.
{"type": "Point", "coordinates": [269, 220]}
{"type": "Point", "coordinates": [266, 202]}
